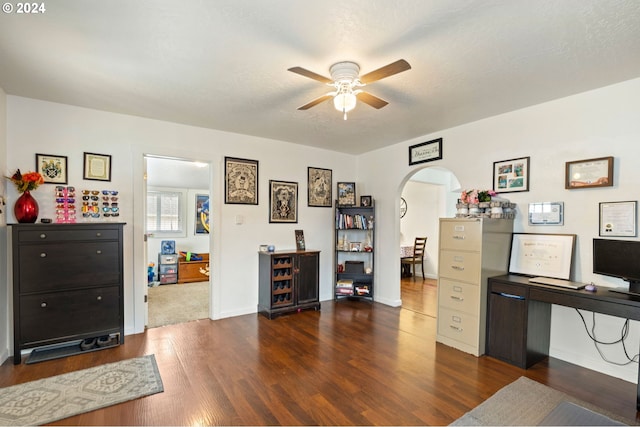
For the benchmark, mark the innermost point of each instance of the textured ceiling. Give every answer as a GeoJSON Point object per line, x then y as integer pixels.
{"type": "Point", "coordinates": [223, 64]}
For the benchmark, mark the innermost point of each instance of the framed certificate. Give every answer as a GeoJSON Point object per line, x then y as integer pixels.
{"type": "Point", "coordinates": [589, 173]}
{"type": "Point", "coordinates": [618, 219]}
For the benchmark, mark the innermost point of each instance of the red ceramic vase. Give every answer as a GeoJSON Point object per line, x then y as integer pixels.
{"type": "Point", "coordinates": [26, 208]}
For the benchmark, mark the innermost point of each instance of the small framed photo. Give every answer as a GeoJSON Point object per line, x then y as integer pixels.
{"type": "Point", "coordinates": [425, 152]}
{"type": "Point", "coordinates": [366, 201]}
{"type": "Point", "coordinates": [589, 173]}
{"type": "Point", "coordinates": [97, 167]}
{"type": "Point", "coordinates": [53, 168]}
{"type": "Point", "coordinates": [618, 219]}
{"type": "Point", "coordinates": [283, 202]}
{"type": "Point", "coordinates": [510, 176]}
{"type": "Point", "coordinates": [319, 187]}
{"type": "Point", "coordinates": [202, 214]}
{"type": "Point", "coordinates": [346, 194]}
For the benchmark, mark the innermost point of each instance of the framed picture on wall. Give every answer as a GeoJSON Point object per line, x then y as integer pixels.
{"type": "Point", "coordinates": [346, 194]}
{"type": "Point", "coordinates": [589, 173]}
{"type": "Point", "coordinates": [240, 181]}
{"type": "Point", "coordinates": [319, 187]}
{"type": "Point", "coordinates": [53, 168]}
{"type": "Point", "coordinates": [283, 202]}
{"type": "Point", "coordinates": [618, 219]}
{"type": "Point", "coordinates": [511, 176]}
{"type": "Point", "coordinates": [97, 167]}
{"type": "Point", "coordinates": [202, 214]}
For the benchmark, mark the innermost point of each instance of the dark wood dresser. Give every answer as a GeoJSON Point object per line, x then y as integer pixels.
{"type": "Point", "coordinates": [67, 283]}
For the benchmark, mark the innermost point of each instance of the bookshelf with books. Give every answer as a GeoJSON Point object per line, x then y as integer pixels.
{"type": "Point", "coordinates": [354, 252]}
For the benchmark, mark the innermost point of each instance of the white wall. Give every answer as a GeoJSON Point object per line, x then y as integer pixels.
{"type": "Point", "coordinates": [598, 123]}
{"type": "Point", "coordinates": [43, 127]}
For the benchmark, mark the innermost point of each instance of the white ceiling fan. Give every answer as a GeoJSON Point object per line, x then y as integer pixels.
{"type": "Point", "coordinates": [346, 83]}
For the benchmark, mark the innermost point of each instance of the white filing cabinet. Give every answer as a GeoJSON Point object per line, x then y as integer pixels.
{"type": "Point", "coordinates": [471, 250]}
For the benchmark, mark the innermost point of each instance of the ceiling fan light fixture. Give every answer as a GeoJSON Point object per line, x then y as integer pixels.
{"type": "Point", "coordinates": [344, 102]}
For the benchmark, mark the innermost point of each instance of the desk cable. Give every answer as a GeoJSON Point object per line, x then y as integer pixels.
{"type": "Point", "coordinates": [624, 333]}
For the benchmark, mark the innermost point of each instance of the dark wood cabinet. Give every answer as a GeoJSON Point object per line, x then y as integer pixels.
{"type": "Point", "coordinates": [288, 282]}
{"type": "Point", "coordinates": [517, 327]}
{"type": "Point", "coordinates": [67, 284]}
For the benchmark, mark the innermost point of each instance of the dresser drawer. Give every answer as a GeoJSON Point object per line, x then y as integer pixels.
{"type": "Point", "coordinates": [465, 235]}
{"type": "Point", "coordinates": [463, 266]}
{"type": "Point", "coordinates": [459, 296]}
{"type": "Point", "coordinates": [60, 266]}
{"type": "Point", "coordinates": [64, 235]}
{"type": "Point", "coordinates": [69, 313]}
{"type": "Point", "coordinates": [459, 326]}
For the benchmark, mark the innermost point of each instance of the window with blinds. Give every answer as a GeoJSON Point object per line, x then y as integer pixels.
{"type": "Point", "coordinates": [165, 212]}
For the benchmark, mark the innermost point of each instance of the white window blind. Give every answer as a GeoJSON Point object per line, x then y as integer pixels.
{"type": "Point", "coordinates": [164, 212]}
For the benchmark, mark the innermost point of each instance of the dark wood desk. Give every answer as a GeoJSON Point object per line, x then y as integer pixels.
{"type": "Point", "coordinates": [519, 316]}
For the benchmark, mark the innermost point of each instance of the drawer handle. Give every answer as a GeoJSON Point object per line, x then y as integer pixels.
{"type": "Point", "coordinates": [43, 255]}
{"type": "Point", "coordinates": [98, 234]}
{"type": "Point", "coordinates": [457, 267]}
{"type": "Point", "coordinates": [43, 236]}
{"type": "Point", "coordinates": [457, 298]}
{"type": "Point", "coordinates": [99, 298]}
{"type": "Point", "coordinates": [456, 328]}
{"type": "Point", "coordinates": [98, 251]}
{"type": "Point", "coordinates": [459, 237]}
{"type": "Point", "coordinates": [43, 304]}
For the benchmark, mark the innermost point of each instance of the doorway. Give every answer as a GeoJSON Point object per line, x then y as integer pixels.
{"type": "Point", "coordinates": [427, 195]}
{"type": "Point", "coordinates": [177, 246]}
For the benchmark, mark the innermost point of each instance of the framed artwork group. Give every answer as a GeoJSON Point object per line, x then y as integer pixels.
{"type": "Point", "coordinates": [54, 170]}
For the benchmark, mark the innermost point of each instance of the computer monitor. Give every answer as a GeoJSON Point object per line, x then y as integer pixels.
{"type": "Point", "coordinates": [618, 258]}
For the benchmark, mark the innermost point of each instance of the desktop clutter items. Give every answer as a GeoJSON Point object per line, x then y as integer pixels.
{"type": "Point", "coordinates": [484, 204]}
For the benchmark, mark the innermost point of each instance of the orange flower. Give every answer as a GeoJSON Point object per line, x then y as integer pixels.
{"type": "Point", "coordinates": [27, 182]}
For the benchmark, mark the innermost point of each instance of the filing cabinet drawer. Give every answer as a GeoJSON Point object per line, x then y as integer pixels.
{"type": "Point", "coordinates": [459, 326]}
{"type": "Point", "coordinates": [458, 296]}
{"type": "Point", "coordinates": [465, 235]}
{"type": "Point", "coordinates": [464, 266]}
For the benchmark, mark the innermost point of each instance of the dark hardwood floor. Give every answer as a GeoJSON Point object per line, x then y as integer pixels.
{"type": "Point", "coordinates": [352, 363]}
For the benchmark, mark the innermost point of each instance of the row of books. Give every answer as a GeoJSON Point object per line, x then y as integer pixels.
{"type": "Point", "coordinates": [348, 287]}
{"type": "Point", "coordinates": [344, 221]}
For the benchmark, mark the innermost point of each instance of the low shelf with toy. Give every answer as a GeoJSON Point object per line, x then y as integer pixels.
{"type": "Point", "coordinates": [193, 267]}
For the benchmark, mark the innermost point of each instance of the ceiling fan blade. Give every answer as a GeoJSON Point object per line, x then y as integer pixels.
{"type": "Point", "coordinates": [310, 74]}
{"type": "Point", "coordinates": [315, 102]}
{"type": "Point", "coordinates": [388, 70]}
{"type": "Point", "coordinates": [374, 101]}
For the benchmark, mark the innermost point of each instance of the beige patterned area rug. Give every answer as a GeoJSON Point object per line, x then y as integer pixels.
{"type": "Point", "coordinates": [525, 402]}
{"type": "Point", "coordinates": [51, 399]}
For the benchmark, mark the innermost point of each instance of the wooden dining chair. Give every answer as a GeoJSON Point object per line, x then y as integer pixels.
{"type": "Point", "coordinates": [418, 255]}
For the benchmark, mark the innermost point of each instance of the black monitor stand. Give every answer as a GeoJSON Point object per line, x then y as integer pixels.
{"type": "Point", "coordinates": [634, 288]}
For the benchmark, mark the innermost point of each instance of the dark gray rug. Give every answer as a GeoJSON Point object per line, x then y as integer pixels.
{"type": "Point", "coordinates": [525, 402]}
{"type": "Point", "coordinates": [51, 399]}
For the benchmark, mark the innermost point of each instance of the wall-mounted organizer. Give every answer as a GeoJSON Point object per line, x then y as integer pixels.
{"type": "Point", "coordinates": [354, 252]}
{"type": "Point", "coordinates": [65, 204]}
{"type": "Point", "coordinates": [100, 205]}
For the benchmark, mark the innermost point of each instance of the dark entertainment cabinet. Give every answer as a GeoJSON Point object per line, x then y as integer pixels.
{"type": "Point", "coordinates": [288, 282]}
{"type": "Point", "coordinates": [67, 284]}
